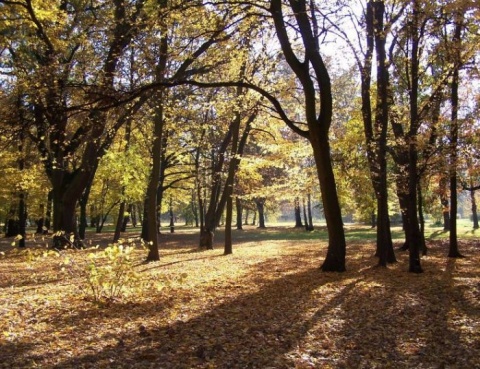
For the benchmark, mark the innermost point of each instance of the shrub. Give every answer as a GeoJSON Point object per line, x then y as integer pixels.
{"type": "Point", "coordinates": [106, 275]}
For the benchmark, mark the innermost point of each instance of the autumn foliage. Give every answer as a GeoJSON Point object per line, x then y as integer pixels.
{"type": "Point", "coordinates": [266, 306]}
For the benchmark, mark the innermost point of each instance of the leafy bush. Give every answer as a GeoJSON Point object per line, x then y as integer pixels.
{"type": "Point", "coordinates": [106, 275]}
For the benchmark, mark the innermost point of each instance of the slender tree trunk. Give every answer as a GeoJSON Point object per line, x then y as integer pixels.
{"type": "Point", "coordinates": [260, 202]}
{"type": "Point", "coordinates": [228, 227]}
{"type": "Point", "coordinates": [445, 203]}
{"type": "Point", "coordinates": [309, 212]}
{"type": "Point", "coordinates": [423, 244]}
{"type": "Point", "coordinates": [239, 207]}
{"type": "Point", "coordinates": [82, 227]}
{"type": "Point", "coordinates": [48, 213]}
{"type": "Point", "coordinates": [474, 209]}
{"type": "Point", "coordinates": [144, 222]}
{"type": "Point", "coordinates": [22, 206]}
{"type": "Point", "coordinates": [152, 190]}
{"type": "Point", "coordinates": [119, 223]}
{"type": "Point", "coordinates": [413, 235]}
{"type": "Point", "coordinates": [22, 218]}
{"type": "Point", "coordinates": [453, 249]}
{"type": "Point", "coordinates": [298, 213]}
{"type": "Point", "coordinates": [132, 209]}
{"type": "Point", "coordinates": [304, 208]}
{"type": "Point", "coordinates": [172, 216]}
{"type": "Point", "coordinates": [318, 115]}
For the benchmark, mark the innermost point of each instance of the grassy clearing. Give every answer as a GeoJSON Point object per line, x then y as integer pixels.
{"type": "Point", "coordinates": [265, 306]}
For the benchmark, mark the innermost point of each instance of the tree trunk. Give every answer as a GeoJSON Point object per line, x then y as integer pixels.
{"type": "Point", "coordinates": [445, 203]}
{"type": "Point", "coordinates": [119, 223]}
{"type": "Point", "coordinates": [239, 207]}
{"type": "Point", "coordinates": [126, 219]}
{"type": "Point", "coordinates": [335, 258]}
{"type": "Point", "coordinates": [172, 216]}
{"type": "Point", "coordinates": [309, 213]}
{"type": "Point", "coordinates": [318, 117]}
{"type": "Point", "coordinates": [260, 202]}
{"type": "Point", "coordinates": [228, 249]}
{"type": "Point", "coordinates": [453, 249]}
{"type": "Point", "coordinates": [22, 218]}
{"type": "Point", "coordinates": [152, 189]}
{"type": "Point", "coordinates": [132, 209]}
{"type": "Point", "coordinates": [423, 244]}
{"type": "Point", "coordinates": [474, 210]}
{"type": "Point", "coordinates": [298, 213]}
{"type": "Point", "coordinates": [304, 208]}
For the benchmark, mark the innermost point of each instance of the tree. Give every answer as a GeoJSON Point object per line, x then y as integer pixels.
{"type": "Point", "coordinates": [318, 118]}
{"type": "Point", "coordinates": [65, 79]}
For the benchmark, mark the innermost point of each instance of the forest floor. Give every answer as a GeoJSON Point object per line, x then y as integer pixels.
{"type": "Point", "coordinates": [266, 306]}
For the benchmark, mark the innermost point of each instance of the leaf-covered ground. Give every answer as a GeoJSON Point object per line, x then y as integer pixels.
{"type": "Point", "coordinates": [266, 306]}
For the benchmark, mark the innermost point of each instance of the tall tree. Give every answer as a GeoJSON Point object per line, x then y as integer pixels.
{"type": "Point", "coordinates": [318, 112]}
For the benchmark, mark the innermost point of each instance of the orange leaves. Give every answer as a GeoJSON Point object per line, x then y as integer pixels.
{"type": "Point", "coordinates": [266, 306]}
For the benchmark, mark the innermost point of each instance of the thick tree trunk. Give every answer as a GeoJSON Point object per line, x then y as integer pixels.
{"type": "Point", "coordinates": [335, 258]}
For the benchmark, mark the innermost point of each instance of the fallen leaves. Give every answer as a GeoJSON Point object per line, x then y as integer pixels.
{"type": "Point", "coordinates": [265, 306]}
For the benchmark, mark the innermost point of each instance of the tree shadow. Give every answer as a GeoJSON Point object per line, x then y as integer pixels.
{"type": "Point", "coordinates": [255, 330]}
{"type": "Point", "coordinates": [413, 327]}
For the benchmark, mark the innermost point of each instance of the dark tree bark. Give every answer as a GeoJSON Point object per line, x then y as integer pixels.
{"type": "Point", "coordinates": [423, 244]}
{"type": "Point", "coordinates": [309, 213]}
{"type": "Point", "coordinates": [132, 209]}
{"type": "Point", "coordinates": [239, 208]}
{"type": "Point", "coordinates": [304, 208]}
{"type": "Point", "coordinates": [151, 220]}
{"type": "Point", "coordinates": [236, 151]}
{"type": "Point", "coordinates": [445, 203]}
{"type": "Point", "coordinates": [172, 216]}
{"type": "Point", "coordinates": [260, 202]}
{"type": "Point", "coordinates": [413, 235]}
{"type": "Point", "coordinates": [119, 222]}
{"type": "Point", "coordinates": [298, 213]}
{"type": "Point", "coordinates": [474, 210]}
{"type": "Point", "coordinates": [247, 213]}
{"type": "Point", "coordinates": [456, 43]}
{"type": "Point", "coordinates": [313, 72]}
